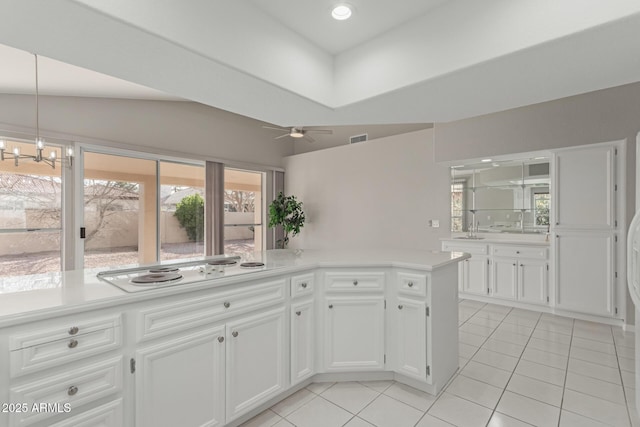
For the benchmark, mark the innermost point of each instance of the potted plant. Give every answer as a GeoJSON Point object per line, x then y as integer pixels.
{"type": "Point", "coordinates": [287, 212]}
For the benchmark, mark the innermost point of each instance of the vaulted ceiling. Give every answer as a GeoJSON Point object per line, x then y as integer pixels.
{"type": "Point", "coordinates": [287, 62]}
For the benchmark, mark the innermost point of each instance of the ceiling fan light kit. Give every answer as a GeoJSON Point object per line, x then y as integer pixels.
{"type": "Point", "coordinates": [298, 132]}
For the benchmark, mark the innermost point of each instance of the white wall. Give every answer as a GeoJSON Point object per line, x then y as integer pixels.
{"type": "Point", "coordinates": [185, 128]}
{"type": "Point", "coordinates": [377, 194]}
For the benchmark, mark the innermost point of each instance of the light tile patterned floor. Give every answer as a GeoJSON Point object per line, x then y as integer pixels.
{"type": "Point", "coordinates": [517, 368]}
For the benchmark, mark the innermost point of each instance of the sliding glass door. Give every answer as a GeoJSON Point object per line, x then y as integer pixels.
{"type": "Point", "coordinates": [140, 211]}
{"type": "Point", "coordinates": [243, 228]}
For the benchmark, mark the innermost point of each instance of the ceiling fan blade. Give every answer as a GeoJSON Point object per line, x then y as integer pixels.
{"type": "Point", "coordinates": [320, 131]}
{"type": "Point", "coordinates": [275, 128]}
{"type": "Point", "coordinates": [281, 136]}
{"type": "Point", "coordinates": [308, 138]}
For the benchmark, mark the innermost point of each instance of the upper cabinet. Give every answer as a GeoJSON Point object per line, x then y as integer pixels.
{"type": "Point", "coordinates": [585, 183]}
{"type": "Point", "coordinates": [506, 196]}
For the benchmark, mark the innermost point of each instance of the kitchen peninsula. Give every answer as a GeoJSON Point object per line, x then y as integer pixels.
{"type": "Point", "coordinates": [219, 350]}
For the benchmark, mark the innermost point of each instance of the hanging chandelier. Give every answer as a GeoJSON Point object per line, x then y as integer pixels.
{"type": "Point", "coordinates": [16, 154]}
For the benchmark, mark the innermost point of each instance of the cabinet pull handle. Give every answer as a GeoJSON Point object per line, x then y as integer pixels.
{"type": "Point", "coordinates": [234, 333]}
{"type": "Point", "coordinates": [355, 283]}
{"type": "Point", "coordinates": [410, 284]}
{"type": "Point", "coordinates": [304, 285]}
{"type": "Point", "coordinates": [298, 313]}
{"type": "Point", "coordinates": [74, 330]}
{"type": "Point", "coordinates": [330, 305]}
{"type": "Point", "coordinates": [71, 391]}
{"type": "Point", "coordinates": [220, 339]}
{"type": "Point", "coordinates": [227, 304]}
{"type": "Point", "coordinates": [400, 307]}
{"type": "Point", "coordinates": [72, 344]}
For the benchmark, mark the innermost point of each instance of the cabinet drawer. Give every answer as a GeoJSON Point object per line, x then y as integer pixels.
{"type": "Point", "coordinates": [178, 316]}
{"type": "Point", "coordinates": [470, 248]}
{"type": "Point", "coordinates": [534, 252]}
{"type": "Point", "coordinates": [302, 285]}
{"type": "Point", "coordinates": [67, 390]}
{"type": "Point", "coordinates": [412, 284]}
{"type": "Point", "coordinates": [107, 415]}
{"type": "Point", "coordinates": [354, 281]}
{"type": "Point", "coordinates": [50, 347]}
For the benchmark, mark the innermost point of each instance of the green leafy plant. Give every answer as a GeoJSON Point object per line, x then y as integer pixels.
{"type": "Point", "coordinates": [287, 212]}
{"type": "Point", "coordinates": [190, 214]}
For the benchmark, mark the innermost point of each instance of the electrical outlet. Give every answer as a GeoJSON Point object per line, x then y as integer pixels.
{"type": "Point", "coordinates": [435, 223]}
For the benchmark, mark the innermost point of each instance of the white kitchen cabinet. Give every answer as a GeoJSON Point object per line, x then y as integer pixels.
{"type": "Point", "coordinates": [256, 361]}
{"type": "Point", "coordinates": [180, 382]}
{"type": "Point", "coordinates": [585, 272]}
{"type": "Point", "coordinates": [302, 340]}
{"type": "Point", "coordinates": [504, 278]}
{"type": "Point", "coordinates": [519, 273]}
{"type": "Point", "coordinates": [475, 275]}
{"type": "Point", "coordinates": [585, 185]}
{"type": "Point", "coordinates": [533, 281]}
{"type": "Point", "coordinates": [354, 333]}
{"type": "Point", "coordinates": [410, 334]}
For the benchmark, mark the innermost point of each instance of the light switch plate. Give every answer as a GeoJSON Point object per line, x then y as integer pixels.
{"type": "Point", "coordinates": [435, 223]}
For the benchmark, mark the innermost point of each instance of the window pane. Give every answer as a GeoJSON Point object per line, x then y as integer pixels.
{"type": "Point", "coordinates": [242, 211]}
{"type": "Point", "coordinates": [181, 211]}
{"type": "Point", "coordinates": [119, 210]}
{"type": "Point", "coordinates": [30, 213]}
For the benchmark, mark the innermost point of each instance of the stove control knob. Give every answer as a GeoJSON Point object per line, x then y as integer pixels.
{"type": "Point", "coordinates": [227, 304]}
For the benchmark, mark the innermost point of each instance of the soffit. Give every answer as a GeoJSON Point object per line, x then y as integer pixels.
{"type": "Point", "coordinates": [451, 60]}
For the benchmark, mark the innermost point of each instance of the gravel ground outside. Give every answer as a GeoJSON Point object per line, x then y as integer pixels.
{"type": "Point", "coordinates": [46, 262]}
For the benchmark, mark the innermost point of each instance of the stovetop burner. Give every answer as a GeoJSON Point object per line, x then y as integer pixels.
{"type": "Point", "coordinates": [150, 279]}
{"type": "Point", "coordinates": [226, 261]}
{"type": "Point", "coordinates": [164, 270]}
{"type": "Point", "coordinates": [252, 264]}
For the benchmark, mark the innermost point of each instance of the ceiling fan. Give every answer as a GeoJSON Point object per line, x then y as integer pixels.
{"type": "Point", "coordinates": [299, 132]}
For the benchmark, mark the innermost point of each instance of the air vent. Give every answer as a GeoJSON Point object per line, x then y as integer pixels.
{"type": "Point", "coordinates": [358, 138]}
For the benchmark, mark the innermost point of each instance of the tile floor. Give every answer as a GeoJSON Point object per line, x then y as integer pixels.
{"type": "Point", "coordinates": [517, 368]}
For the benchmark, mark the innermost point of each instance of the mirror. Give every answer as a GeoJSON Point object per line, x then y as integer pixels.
{"type": "Point", "coordinates": [501, 197]}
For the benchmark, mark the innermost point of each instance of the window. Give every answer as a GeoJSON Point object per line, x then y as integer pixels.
{"type": "Point", "coordinates": [243, 231]}
{"type": "Point", "coordinates": [541, 202]}
{"type": "Point", "coordinates": [130, 203]}
{"type": "Point", "coordinates": [30, 214]}
{"type": "Point", "coordinates": [457, 205]}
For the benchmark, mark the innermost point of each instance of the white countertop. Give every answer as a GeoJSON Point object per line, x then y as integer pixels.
{"type": "Point", "coordinates": [36, 297]}
{"type": "Point", "coordinates": [506, 239]}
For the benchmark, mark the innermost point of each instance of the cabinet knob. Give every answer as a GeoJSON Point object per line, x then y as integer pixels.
{"type": "Point", "coordinates": [400, 307]}
{"type": "Point", "coordinates": [227, 304]}
{"type": "Point", "coordinates": [304, 285]}
{"type": "Point", "coordinates": [355, 283]}
{"type": "Point", "coordinates": [410, 284]}
{"type": "Point", "coordinates": [234, 333]}
{"type": "Point", "coordinates": [514, 264]}
{"type": "Point", "coordinates": [330, 305]}
{"type": "Point", "coordinates": [74, 330]}
{"type": "Point", "coordinates": [73, 344]}
{"type": "Point", "coordinates": [517, 252]}
{"type": "Point", "coordinates": [220, 339]}
{"type": "Point", "coordinates": [521, 265]}
{"type": "Point", "coordinates": [72, 391]}
{"type": "Point", "coordinates": [298, 313]}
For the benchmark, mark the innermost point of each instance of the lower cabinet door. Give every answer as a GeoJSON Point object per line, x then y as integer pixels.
{"type": "Point", "coordinates": [354, 333]}
{"type": "Point", "coordinates": [475, 275]}
{"type": "Point", "coordinates": [505, 277]}
{"type": "Point", "coordinates": [411, 338]}
{"type": "Point", "coordinates": [256, 361]}
{"type": "Point", "coordinates": [532, 281]}
{"type": "Point", "coordinates": [302, 341]}
{"type": "Point", "coordinates": [180, 382]}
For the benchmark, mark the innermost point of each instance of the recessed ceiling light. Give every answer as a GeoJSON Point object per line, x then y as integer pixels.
{"type": "Point", "coordinates": [486, 160]}
{"type": "Point", "coordinates": [341, 12]}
